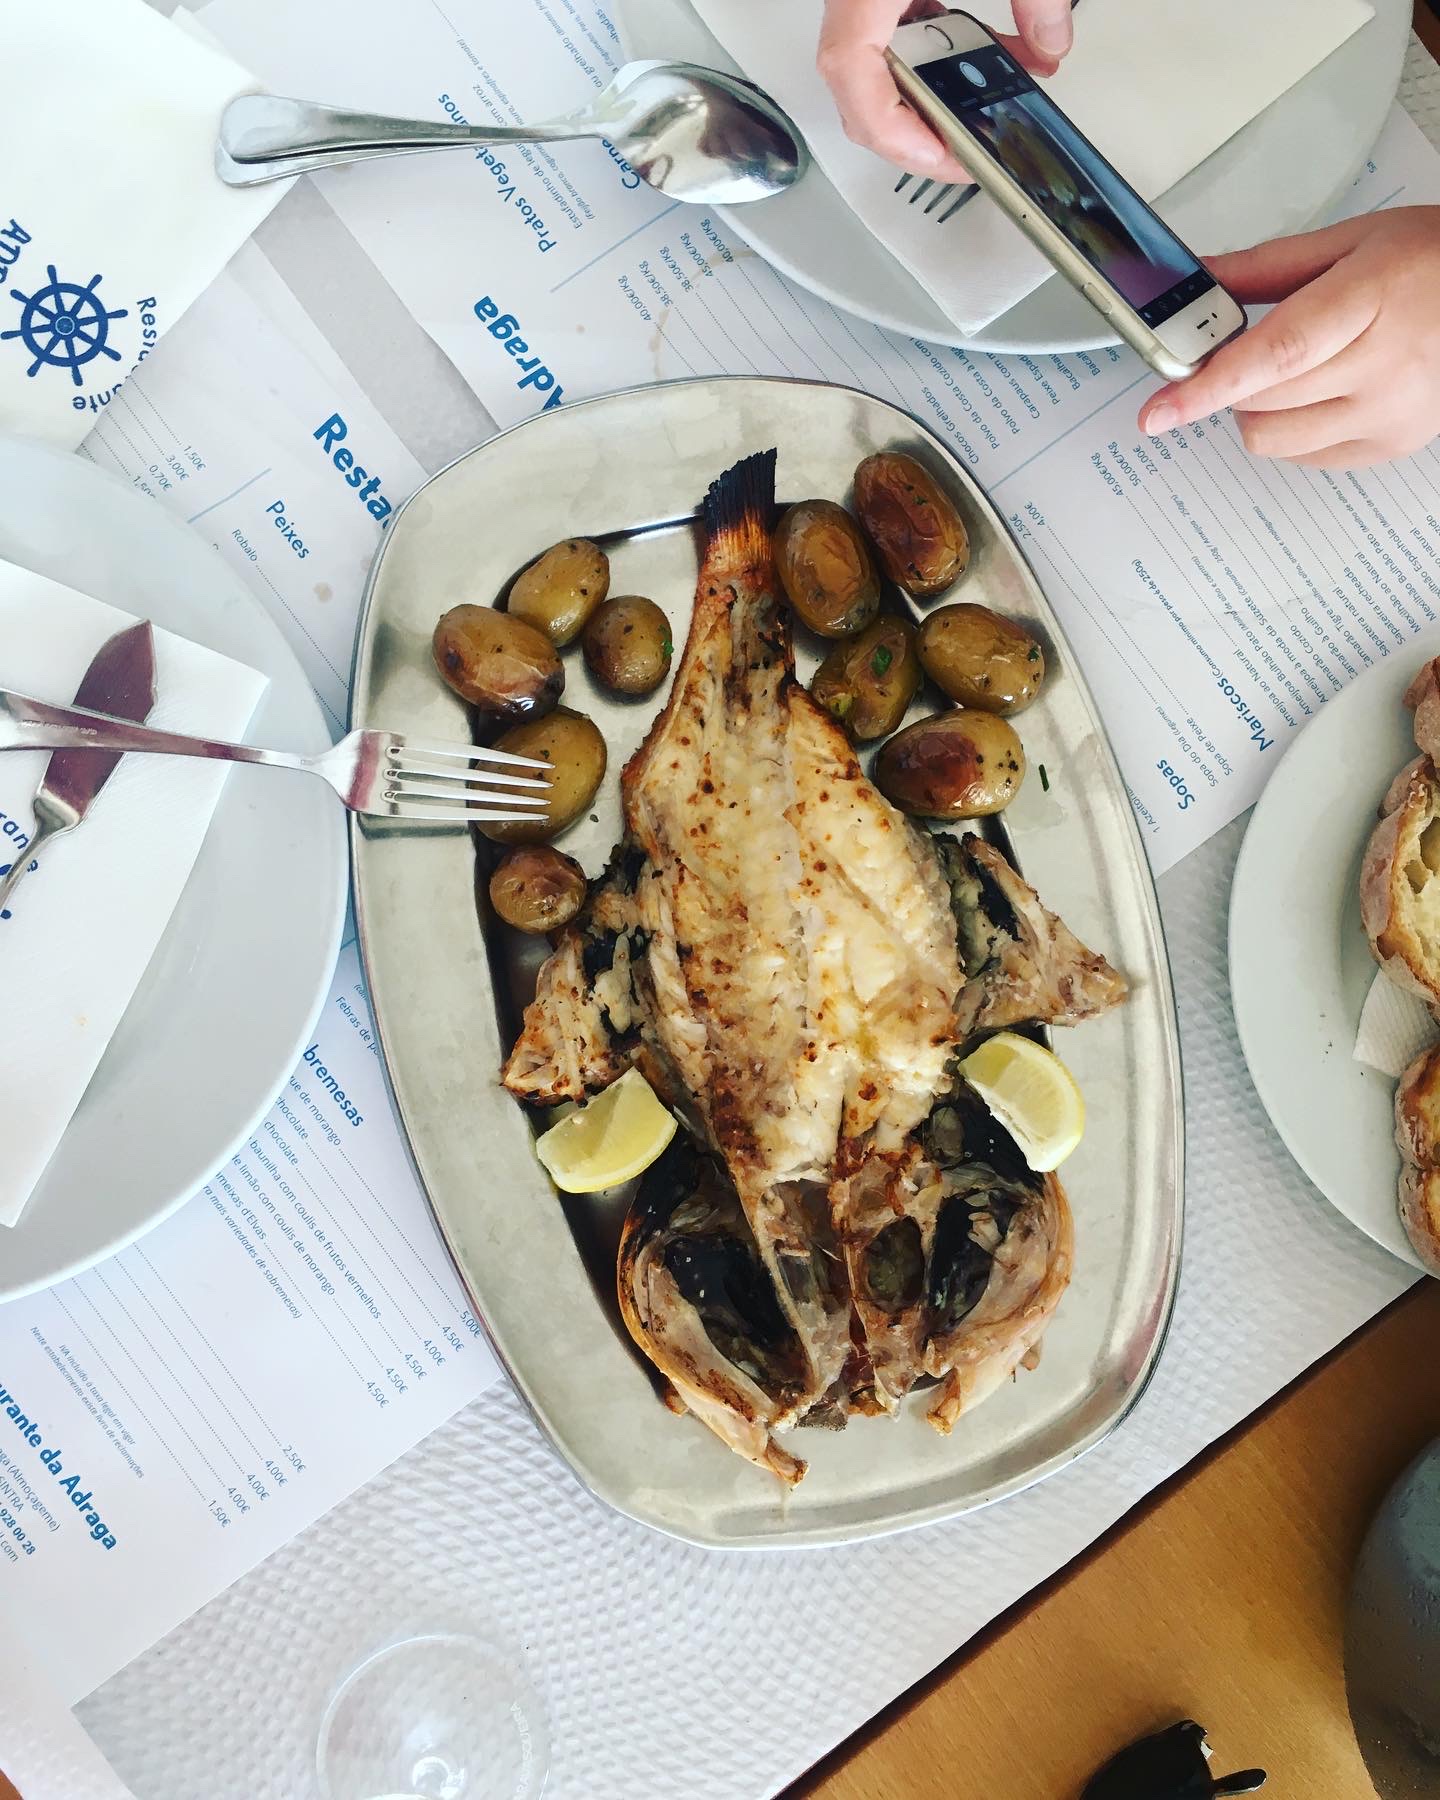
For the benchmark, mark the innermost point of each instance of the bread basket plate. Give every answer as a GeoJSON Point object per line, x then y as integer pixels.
{"type": "Point", "coordinates": [1300, 964]}
{"type": "Point", "coordinates": [447, 983]}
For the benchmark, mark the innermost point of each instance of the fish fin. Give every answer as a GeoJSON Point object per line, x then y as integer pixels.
{"type": "Point", "coordinates": [737, 512]}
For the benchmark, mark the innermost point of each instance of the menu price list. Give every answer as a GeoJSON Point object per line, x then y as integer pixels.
{"type": "Point", "coordinates": [184, 1407]}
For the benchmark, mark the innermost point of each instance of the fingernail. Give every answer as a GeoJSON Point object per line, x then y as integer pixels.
{"type": "Point", "coordinates": [1162, 418]}
{"type": "Point", "coordinates": [1053, 36]}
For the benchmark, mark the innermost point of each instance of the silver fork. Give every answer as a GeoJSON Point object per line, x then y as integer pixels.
{"type": "Point", "coordinates": [382, 773]}
{"type": "Point", "coordinates": [963, 195]}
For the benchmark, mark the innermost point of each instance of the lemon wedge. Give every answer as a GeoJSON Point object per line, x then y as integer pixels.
{"type": "Point", "coordinates": [611, 1140]}
{"type": "Point", "coordinates": [1032, 1094]}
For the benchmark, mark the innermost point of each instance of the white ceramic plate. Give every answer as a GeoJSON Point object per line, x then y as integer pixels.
{"type": "Point", "coordinates": [1283, 172]}
{"type": "Point", "coordinates": [1300, 966]}
{"type": "Point", "coordinates": [221, 1017]}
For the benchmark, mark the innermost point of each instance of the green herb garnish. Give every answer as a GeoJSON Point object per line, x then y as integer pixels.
{"type": "Point", "coordinates": [1044, 779]}
{"type": "Point", "coordinates": [667, 648]}
{"type": "Point", "coordinates": [881, 660]}
{"type": "Point", "coordinates": [1034, 653]}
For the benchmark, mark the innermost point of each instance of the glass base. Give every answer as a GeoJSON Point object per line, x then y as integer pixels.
{"type": "Point", "coordinates": [438, 1717]}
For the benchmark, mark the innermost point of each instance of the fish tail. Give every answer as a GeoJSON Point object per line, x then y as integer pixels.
{"type": "Point", "coordinates": [737, 512]}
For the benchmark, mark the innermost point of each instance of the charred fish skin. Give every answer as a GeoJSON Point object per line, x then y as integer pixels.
{"type": "Point", "coordinates": [1025, 1264]}
{"type": "Point", "coordinates": [699, 1302]}
{"type": "Point", "coordinates": [1000, 1257]}
{"type": "Point", "coordinates": [1024, 966]}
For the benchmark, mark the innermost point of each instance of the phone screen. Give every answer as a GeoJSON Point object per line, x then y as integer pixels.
{"type": "Point", "coordinates": [1069, 181]}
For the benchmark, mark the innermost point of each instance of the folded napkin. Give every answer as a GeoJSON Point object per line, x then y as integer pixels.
{"type": "Point", "coordinates": [112, 218]}
{"type": "Point", "coordinates": [85, 922]}
{"type": "Point", "coordinates": [1394, 1028]}
{"type": "Point", "coordinates": [1156, 85]}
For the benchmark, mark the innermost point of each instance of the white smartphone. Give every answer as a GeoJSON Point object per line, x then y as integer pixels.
{"type": "Point", "coordinates": [1055, 185]}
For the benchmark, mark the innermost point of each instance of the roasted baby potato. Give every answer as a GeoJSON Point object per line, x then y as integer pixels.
{"type": "Point", "coordinates": [958, 765]}
{"type": "Point", "coordinates": [921, 538]}
{"type": "Point", "coordinates": [825, 569]}
{"type": "Point", "coordinates": [627, 644]}
{"type": "Point", "coordinates": [575, 750]}
{"type": "Point", "coordinates": [867, 682]}
{"type": "Point", "coordinates": [507, 668]}
{"type": "Point", "coordinates": [561, 589]}
{"type": "Point", "coordinates": [537, 888]}
{"type": "Point", "coordinates": [978, 658]}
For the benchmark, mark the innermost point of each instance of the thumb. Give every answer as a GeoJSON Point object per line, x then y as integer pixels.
{"type": "Point", "coordinates": [1273, 271]}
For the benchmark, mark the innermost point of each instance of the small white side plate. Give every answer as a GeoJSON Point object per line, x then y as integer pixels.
{"type": "Point", "coordinates": [1300, 965]}
{"type": "Point", "coordinates": [1283, 172]}
{"type": "Point", "coordinates": [222, 1014]}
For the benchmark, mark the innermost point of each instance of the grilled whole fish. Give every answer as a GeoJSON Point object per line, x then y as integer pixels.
{"type": "Point", "coordinates": [773, 943]}
{"type": "Point", "coordinates": [782, 954]}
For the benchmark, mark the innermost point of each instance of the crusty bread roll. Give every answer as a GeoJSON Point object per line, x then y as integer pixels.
{"type": "Point", "coordinates": [1423, 698]}
{"type": "Point", "coordinates": [1417, 1134]}
{"type": "Point", "coordinates": [1400, 882]}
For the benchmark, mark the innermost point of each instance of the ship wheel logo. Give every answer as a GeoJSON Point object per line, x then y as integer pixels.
{"type": "Point", "coordinates": [64, 325]}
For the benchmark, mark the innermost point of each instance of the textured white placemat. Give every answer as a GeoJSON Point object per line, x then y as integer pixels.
{"type": "Point", "coordinates": [659, 1663]}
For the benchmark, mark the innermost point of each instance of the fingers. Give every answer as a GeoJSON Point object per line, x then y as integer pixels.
{"type": "Point", "coordinates": [1357, 453]}
{"type": "Point", "coordinates": [1302, 431]}
{"type": "Point", "coordinates": [1301, 334]}
{"type": "Point", "coordinates": [1027, 57]}
{"type": "Point", "coordinates": [1273, 271]}
{"type": "Point", "coordinates": [1045, 32]}
{"type": "Point", "coordinates": [851, 61]}
{"type": "Point", "coordinates": [1352, 371]}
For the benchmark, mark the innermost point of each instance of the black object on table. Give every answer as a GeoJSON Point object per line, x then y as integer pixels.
{"type": "Point", "coordinates": [1172, 1765]}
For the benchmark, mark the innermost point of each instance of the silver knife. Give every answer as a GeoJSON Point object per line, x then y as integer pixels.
{"type": "Point", "coordinates": [120, 681]}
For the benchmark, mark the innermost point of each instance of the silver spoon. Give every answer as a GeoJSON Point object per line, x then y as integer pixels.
{"type": "Point", "coordinates": [695, 134]}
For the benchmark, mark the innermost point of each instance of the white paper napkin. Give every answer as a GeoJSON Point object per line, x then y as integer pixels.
{"type": "Point", "coordinates": [85, 921]}
{"type": "Point", "coordinates": [44, 1751]}
{"type": "Point", "coordinates": [1156, 85]}
{"type": "Point", "coordinates": [112, 218]}
{"type": "Point", "coordinates": [1394, 1028]}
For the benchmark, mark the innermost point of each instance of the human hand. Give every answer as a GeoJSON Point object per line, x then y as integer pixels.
{"type": "Point", "coordinates": [1346, 370]}
{"type": "Point", "coordinates": [851, 58]}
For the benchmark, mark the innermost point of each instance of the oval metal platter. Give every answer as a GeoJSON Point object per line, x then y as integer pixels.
{"type": "Point", "coordinates": [448, 983]}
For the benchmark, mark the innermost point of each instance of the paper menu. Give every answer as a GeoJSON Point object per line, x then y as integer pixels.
{"type": "Point", "coordinates": [236, 427]}
{"type": "Point", "coordinates": [177, 1412]}
{"type": "Point", "coordinates": [171, 1416]}
{"type": "Point", "coordinates": [1217, 604]}
{"type": "Point", "coordinates": [111, 229]}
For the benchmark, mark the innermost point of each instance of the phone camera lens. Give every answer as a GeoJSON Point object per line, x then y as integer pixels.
{"type": "Point", "coordinates": [973, 75]}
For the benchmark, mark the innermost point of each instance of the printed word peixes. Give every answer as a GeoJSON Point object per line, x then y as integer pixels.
{"type": "Point", "coordinates": [505, 328]}
{"type": "Point", "coordinates": [367, 486]}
